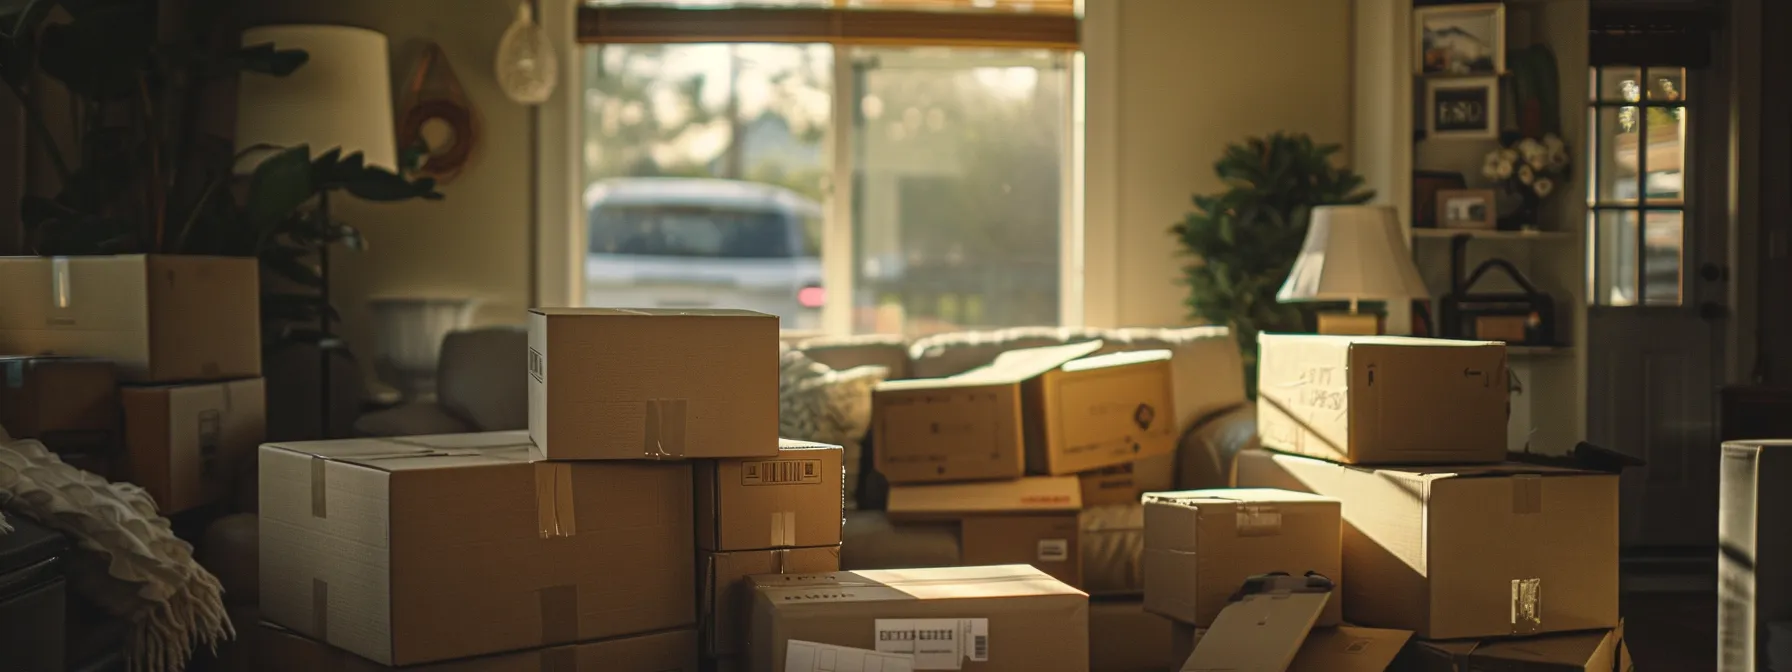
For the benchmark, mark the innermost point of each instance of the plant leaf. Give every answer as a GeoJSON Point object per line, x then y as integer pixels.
{"type": "Point", "coordinates": [103, 54]}
{"type": "Point", "coordinates": [280, 184]}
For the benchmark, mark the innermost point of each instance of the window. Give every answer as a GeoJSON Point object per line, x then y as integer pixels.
{"type": "Point", "coordinates": [871, 189]}
{"type": "Point", "coordinates": [1636, 226]}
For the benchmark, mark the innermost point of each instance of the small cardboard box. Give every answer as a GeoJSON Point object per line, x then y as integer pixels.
{"type": "Point", "coordinates": [794, 499]}
{"type": "Point", "coordinates": [1006, 618]}
{"type": "Point", "coordinates": [1100, 412]}
{"type": "Point", "coordinates": [419, 549]}
{"type": "Point", "coordinates": [281, 650]}
{"type": "Point", "coordinates": [1382, 399]}
{"type": "Point", "coordinates": [622, 384]}
{"type": "Point", "coordinates": [160, 318]}
{"type": "Point", "coordinates": [1466, 551]}
{"type": "Point", "coordinates": [184, 443]}
{"type": "Point", "coordinates": [1124, 638]}
{"type": "Point", "coordinates": [967, 427]}
{"type": "Point", "coordinates": [1345, 648]}
{"type": "Point", "coordinates": [725, 603]}
{"type": "Point", "coordinates": [952, 501]}
{"type": "Point", "coordinates": [1754, 571]}
{"type": "Point", "coordinates": [1125, 483]}
{"type": "Point", "coordinates": [1048, 543]}
{"type": "Point", "coordinates": [68, 403]}
{"type": "Point", "coordinates": [1201, 546]}
{"type": "Point", "coordinates": [1597, 651]}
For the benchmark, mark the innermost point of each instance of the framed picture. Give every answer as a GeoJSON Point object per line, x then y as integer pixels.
{"type": "Point", "coordinates": [1462, 109]}
{"type": "Point", "coordinates": [1425, 185]}
{"type": "Point", "coordinates": [1460, 39]}
{"type": "Point", "coordinates": [1471, 209]}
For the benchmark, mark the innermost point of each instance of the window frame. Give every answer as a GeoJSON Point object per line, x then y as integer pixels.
{"type": "Point", "coordinates": [558, 226]}
{"type": "Point", "coordinates": [1643, 204]}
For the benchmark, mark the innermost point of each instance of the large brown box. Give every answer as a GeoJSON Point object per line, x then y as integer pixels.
{"type": "Point", "coordinates": [1466, 551]}
{"type": "Point", "coordinates": [1754, 563]}
{"type": "Point", "coordinates": [1123, 637]}
{"type": "Point", "coordinates": [160, 318]}
{"type": "Point", "coordinates": [1101, 411]}
{"type": "Point", "coordinates": [627, 384]}
{"type": "Point", "coordinates": [282, 650]}
{"type": "Point", "coordinates": [1596, 651]}
{"type": "Point", "coordinates": [68, 403]}
{"type": "Point", "coordinates": [794, 499]}
{"type": "Point", "coordinates": [1382, 399]}
{"type": "Point", "coordinates": [418, 549]}
{"type": "Point", "coordinates": [952, 501]}
{"type": "Point", "coordinates": [1201, 546]}
{"type": "Point", "coordinates": [1051, 544]}
{"type": "Point", "coordinates": [184, 443]}
{"type": "Point", "coordinates": [1018, 618]}
{"type": "Point", "coordinates": [1125, 483]}
{"type": "Point", "coordinates": [1345, 648]}
{"type": "Point", "coordinates": [725, 601]}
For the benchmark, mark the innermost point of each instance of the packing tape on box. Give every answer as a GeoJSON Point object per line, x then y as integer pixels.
{"type": "Point", "coordinates": [1526, 610]}
{"type": "Point", "coordinates": [555, 512]}
{"type": "Point", "coordinates": [663, 435]}
{"type": "Point", "coordinates": [1527, 494]}
{"type": "Point", "coordinates": [560, 659]}
{"type": "Point", "coordinates": [782, 556]}
{"type": "Point", "coordinates": [319, 467]}
{"type": "Point", "coordinates": [1527, 606]}
{"type": "Point", "coordinates": [559, 614]}
{"type": "Point", "coordinates": [320, 609]}
{"type": "Point", "coordinates": [60, 293]}
{"type": "Point", "coordinates": [1259, 520]}
{"type": "Point", "coordinates": [783, 528]}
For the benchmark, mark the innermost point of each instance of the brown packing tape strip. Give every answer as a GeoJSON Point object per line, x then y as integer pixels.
{"type": "Point", "coordinates": [61, 296]}
{"type": "Point", "coordinates": [783, 557]}
{"type": "Point", "coordinates": [319, 507]}
{"type": "Point", "coordinates": [663, 435]}
{"type": "Point", "coordinates": [320, 609]}
{"type": "Point", "coordinates": [1526, 608]}
{"type": "Point", "coordinates": [560, 659]}
{"type": "Point", "coordinates": [555, 513]}
{"type": "Point", "coordinates": [559, 614]}
{"type": "Point", "coordinates": [783, 529]}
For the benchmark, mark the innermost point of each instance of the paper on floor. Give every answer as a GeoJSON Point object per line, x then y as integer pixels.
{"type": "Point", "coordinates": [801, 656]}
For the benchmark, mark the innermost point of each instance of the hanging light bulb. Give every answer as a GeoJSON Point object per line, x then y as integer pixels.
{"type": "Point", "coordinates": [526, 67]}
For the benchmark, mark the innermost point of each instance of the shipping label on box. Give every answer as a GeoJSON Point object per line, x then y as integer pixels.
{"type": "Point", "coordinates": [1463, 551]}
{"type": "Point", "coordinates": [1101, 411]}
{"type": "Point", "coordinates": [966, 427]}
{"type": "Point", "coordinates": [1005, 618]}
{"type": "Point", "coordinates": [794, 499]}
{"type": "Point", "coordinates": [70, 404]}
{"type": "Point", "coordinates": [184, 443]}
{"type": "Point", "coordinates": [160, 318]}
{"type": "Point", "coordinates": [1124, 483]}
{"type": "Point", "coordinates": [620, 384]}
{"type": "Point", "coordinates": [726, 599]}
{"type": "Point", "coordinates": [1201, 546]}
{"type": "Point", "coordinates": [948, 501]}
{"type": "Point", "coordinates": [1382, 399]}
{"type": "Point", "coordinates": [1048, 543]}
{"type": "Point", "coordinates": [379, 546]}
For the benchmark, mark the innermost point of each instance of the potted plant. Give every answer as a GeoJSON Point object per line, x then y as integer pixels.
{"type": "Point", "coordinates": [1243, 241]}
{"type": "Point", "coordinates": [140, 177]}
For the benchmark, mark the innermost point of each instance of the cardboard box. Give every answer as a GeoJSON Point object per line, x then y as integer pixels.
{"type": "Point", "coordinates": [1346, 648]}
{"type": "Point", "coordinates": [1124, 483]}
{"type": "Point", "coordinates": [794, 499]}
{"type": "Point", "coordinates": [1048, 543]}
{"type": "Point", "coordinates": [282, 650]}
{"type": "Point", "coordinates": [418, 549]}
{"type": "Point", "coordinates": [160, 318]}
{"type": "Point", "coordinates": [966, 427]}
{"type": "Point", "coordinates": [951, 501]}
{"type": "Point", "coordinates": [69, 404]}
{"type": "Point", "coordinates": [1008, 618]}
{"type": "Point", "coordinates": [1100, 412]}
{"type": "Point", "coordinates": [184, 443]}
{"type": "Point", "coordinates": [1201, 546]}
{"type": "Point", "coordinates": [1466, 551]}
{"type": "Point", "coordinates": [725, 600]}
{"type": "Point", "coordinates": [1123, 638]}
{"type": "Point", "coordinates": [1754, 567]}
{"type": "Point", "coordinates": [1382, 399]}
{"type": "Point", "coordinates": [1598, 651]}
{"type": "Point", "coordinates": [621, 384]}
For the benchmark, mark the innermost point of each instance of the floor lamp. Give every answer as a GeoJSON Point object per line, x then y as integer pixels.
{"type": "Point", "coordinates": [341, 98]}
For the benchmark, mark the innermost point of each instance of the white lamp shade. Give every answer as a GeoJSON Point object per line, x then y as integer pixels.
{"type": "Point", "coordinates": [341, 97]}
{"type": "Point", "coordinates": [1354, 252]}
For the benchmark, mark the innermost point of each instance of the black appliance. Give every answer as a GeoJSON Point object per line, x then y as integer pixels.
{"type": "Point", "coordinates": [1525, 317]}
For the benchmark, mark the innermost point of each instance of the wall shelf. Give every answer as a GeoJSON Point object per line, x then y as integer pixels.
{"type": "Point", "coordinates": [1447, 234]}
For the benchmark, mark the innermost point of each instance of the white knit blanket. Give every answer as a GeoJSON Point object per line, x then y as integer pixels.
{"type": "Point", "coordinates": [127, 561]}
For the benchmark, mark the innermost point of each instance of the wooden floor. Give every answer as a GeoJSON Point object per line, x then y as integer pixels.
{"type": "Point", "coordinates": [1671, 632]}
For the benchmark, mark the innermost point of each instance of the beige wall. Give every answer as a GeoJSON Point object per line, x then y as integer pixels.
{"type": "Point", "coordinates": [1192, 76]}
{"type": "Point", "coordinates": [476, 242]}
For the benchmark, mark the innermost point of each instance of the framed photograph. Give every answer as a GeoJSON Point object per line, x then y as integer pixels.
{"type": "Point", "coordinates": [1462, 109]}
{"type": "Point", "coordinates": [1467, 209]}
{"type": "Point", "coordinates": [1425, 185]}
{"type": "Point", "coordinates": [1460, 39]}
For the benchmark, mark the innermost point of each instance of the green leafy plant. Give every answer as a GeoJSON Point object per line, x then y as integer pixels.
{"type": "Point", "coordinates": [1243, 241]}
{"type": "Point", "coordinates": [143, 177]}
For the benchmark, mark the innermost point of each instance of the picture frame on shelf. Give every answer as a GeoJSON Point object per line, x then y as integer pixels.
{"type": "Point", "coordinates": [1460, 39]}
{"type": "Point", "coordinates": [1467, 210]}
{"type": "Point", "coordinates": [1425, 186]}
{"type": "Point", "coordinates": [1462, 108]}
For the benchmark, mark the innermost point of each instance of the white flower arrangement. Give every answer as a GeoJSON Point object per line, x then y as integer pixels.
{"type": "Point", "coordinates": [1530, 167]}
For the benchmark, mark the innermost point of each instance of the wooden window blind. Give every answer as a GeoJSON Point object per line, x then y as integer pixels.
{"type": "Point", "coordinates": [1034, 24]}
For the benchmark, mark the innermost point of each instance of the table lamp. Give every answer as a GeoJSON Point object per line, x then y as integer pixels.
{"type": "Point", "coordinates": [340, 98]}
{"type": "Point", "coordinates": [1353, 253]}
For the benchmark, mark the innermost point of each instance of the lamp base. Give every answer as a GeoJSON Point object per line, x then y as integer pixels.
{"type": "Point", "coordinates": [1350, 324]}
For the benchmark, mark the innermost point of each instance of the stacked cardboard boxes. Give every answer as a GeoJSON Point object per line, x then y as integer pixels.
{"type": "Point", "coordinates": [182, 336]}
{"type": "Point", "coordinates": [1442, 540]}
{"type": "Point", "coordinates": [1014, 450]}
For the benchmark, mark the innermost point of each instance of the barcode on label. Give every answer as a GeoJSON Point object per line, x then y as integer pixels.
{"type": "Point", "coordinates": [980, 647]}
{"type": "Point", "coordinates": [781, 472]}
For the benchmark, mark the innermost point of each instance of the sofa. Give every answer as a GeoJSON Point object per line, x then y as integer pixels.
{"type": "Point", "coordinates": [479, 389]}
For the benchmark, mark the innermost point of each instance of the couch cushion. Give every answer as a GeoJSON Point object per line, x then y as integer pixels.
{"type": "Point", "coordinates": [478, 378]}
{"type": "Point", "coordinates": [1204, 457]}
{"type": "Point", "coordinates": [846, 352]}
{"type": "Point", "coordinates": [1113, 541]}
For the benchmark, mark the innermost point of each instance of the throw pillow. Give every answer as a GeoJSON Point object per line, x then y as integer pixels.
{"type": "Point", "coordinates": [816, 403]}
